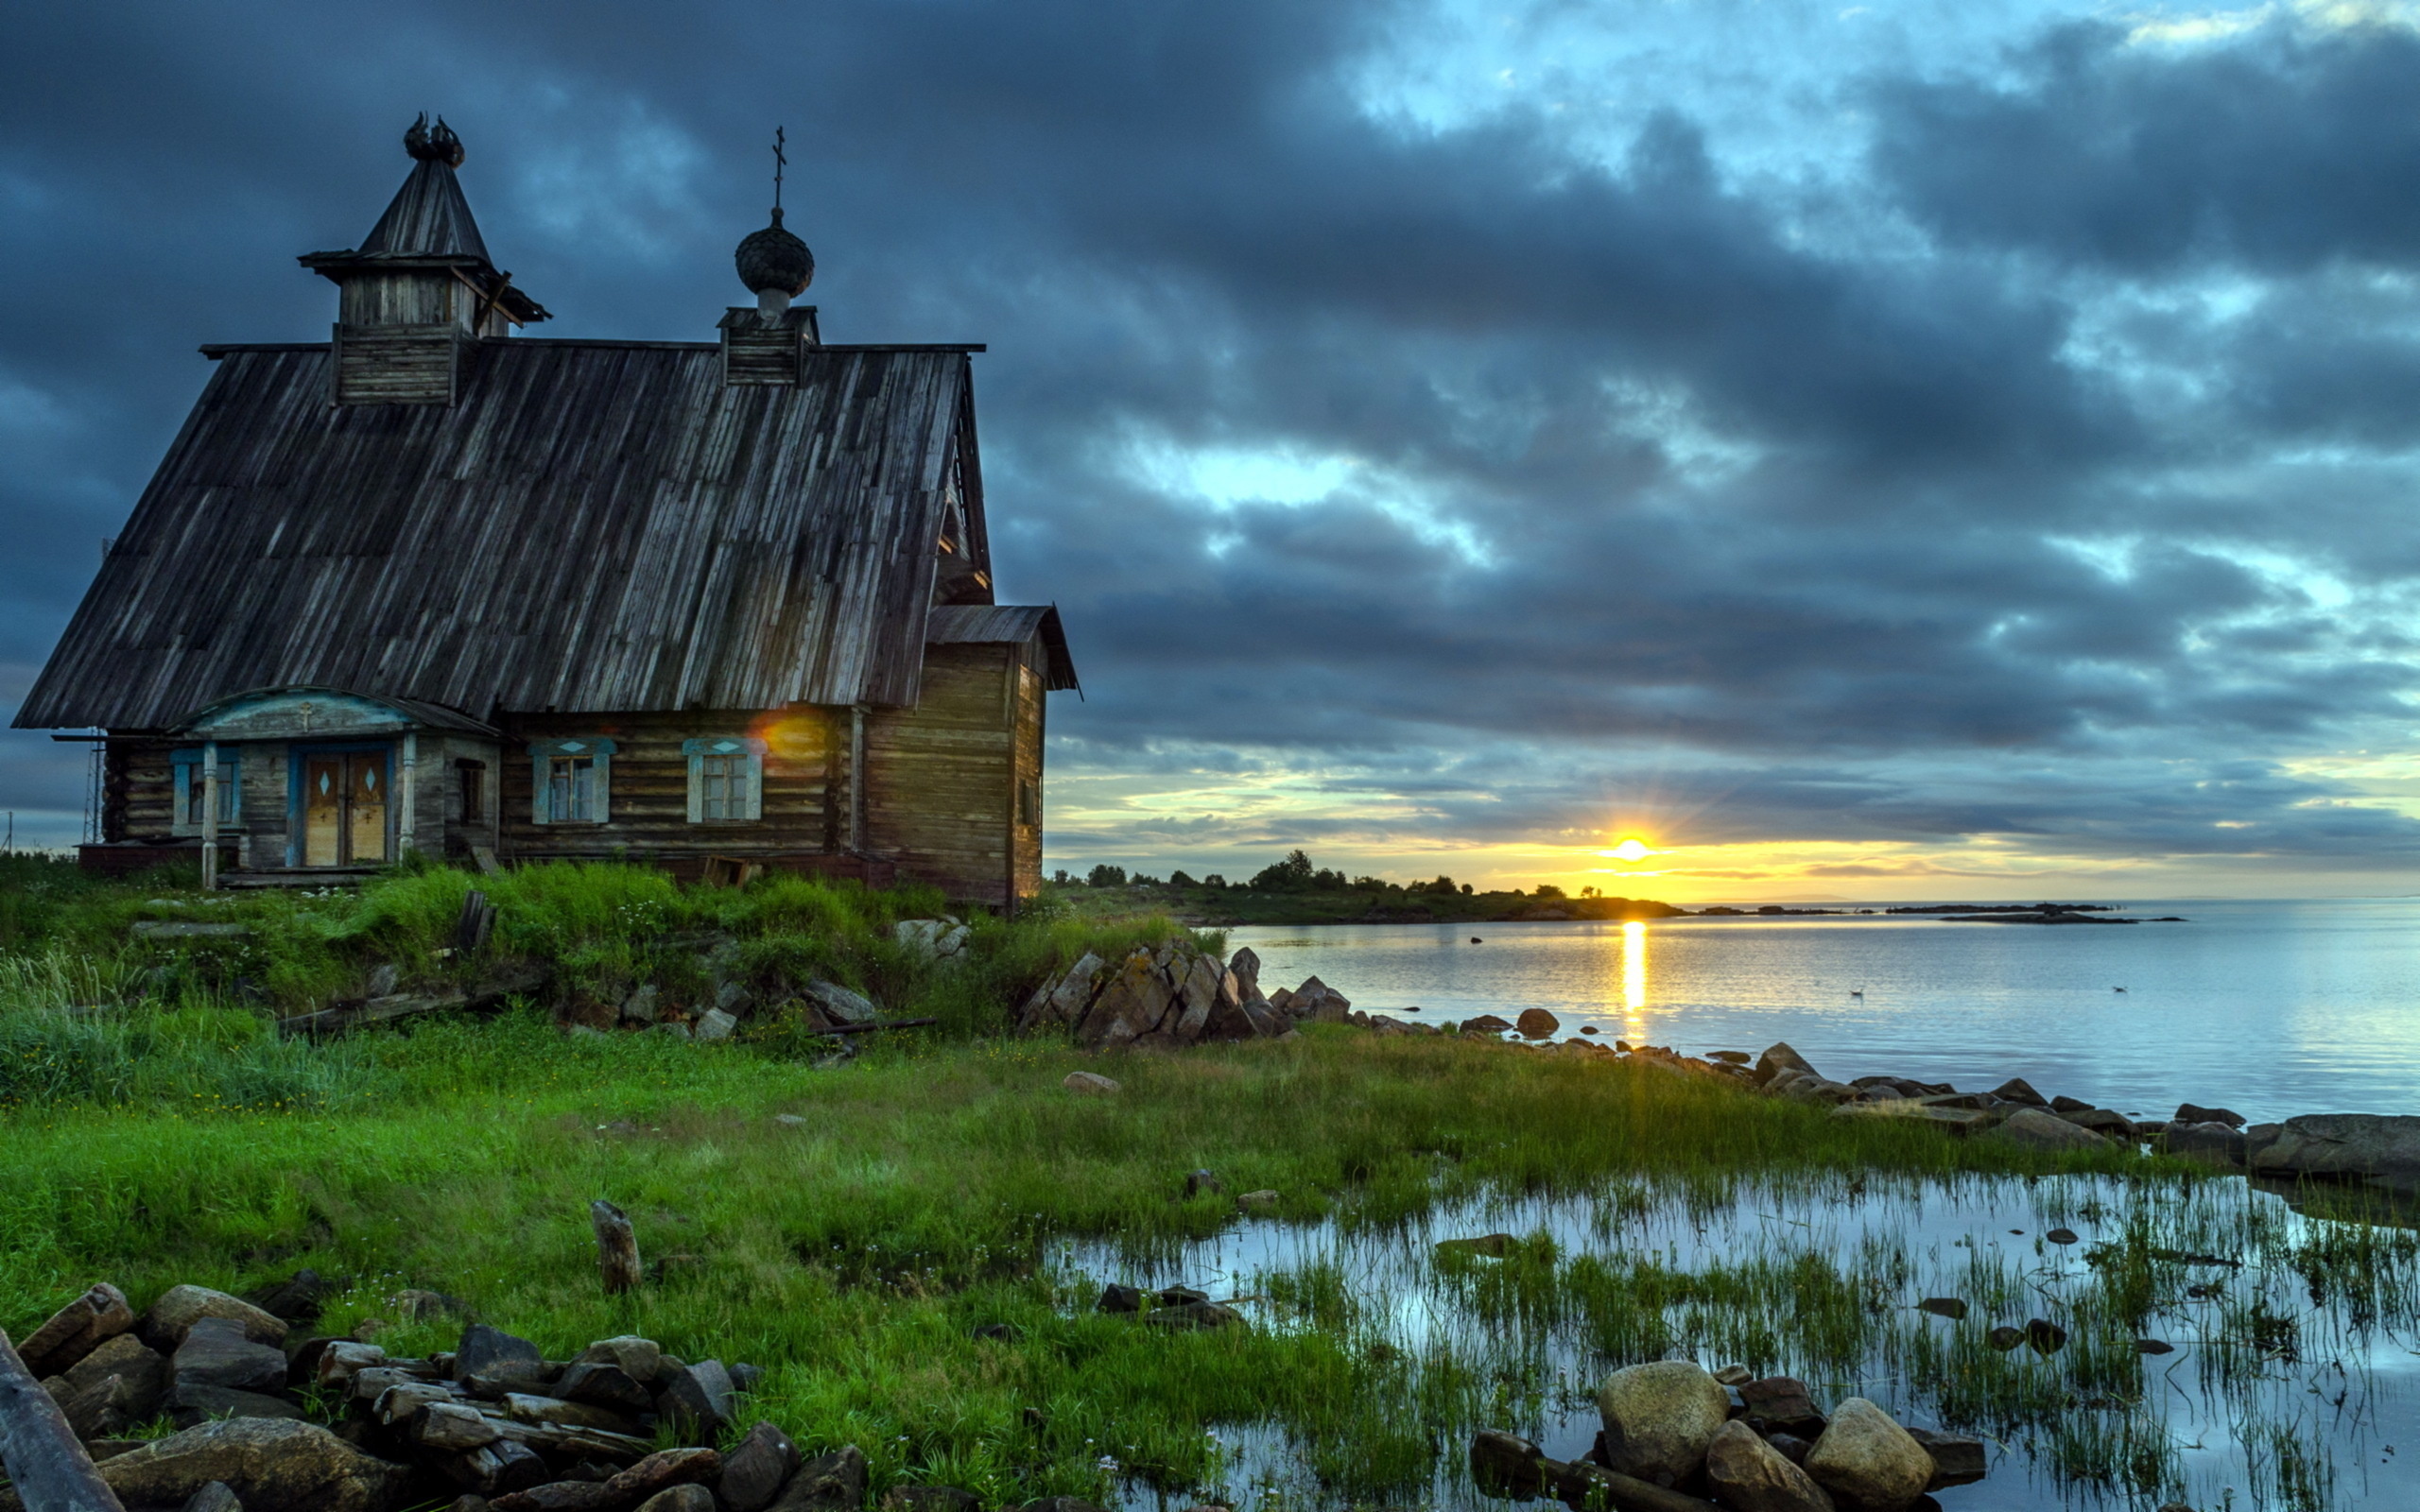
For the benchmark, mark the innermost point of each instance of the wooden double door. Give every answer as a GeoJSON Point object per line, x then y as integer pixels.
{"type": "Point", "coordinates": [344, 808]}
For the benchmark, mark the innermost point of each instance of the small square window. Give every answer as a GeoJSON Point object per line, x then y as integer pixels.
{"type": "Point", "coordinates": [726, 779]}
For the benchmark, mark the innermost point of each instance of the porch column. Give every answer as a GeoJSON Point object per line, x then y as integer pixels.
{"type": "Point", "coordinates": [209, 816]}
{"type": "Point", "coordinates": [406, 821]}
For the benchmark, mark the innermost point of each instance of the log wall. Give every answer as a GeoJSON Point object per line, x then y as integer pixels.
{"type": "Point", "coordinates": [647, 798]}
{"type": "Point", "coordinates": [941, 777]}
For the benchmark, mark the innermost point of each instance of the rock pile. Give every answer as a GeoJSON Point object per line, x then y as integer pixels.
{"type": "Point", "coordinates": [1174, 995]}
{"type": "Point", "coordinates": [1678, 1437]}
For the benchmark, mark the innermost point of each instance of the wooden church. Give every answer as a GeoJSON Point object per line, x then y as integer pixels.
{"type": "Point", "coordinates": [431, 586]}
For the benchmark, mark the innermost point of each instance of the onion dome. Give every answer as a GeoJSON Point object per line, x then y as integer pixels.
{"type": "Point", "coordinates": [773, 259]}
{"type": "Point", "coordinates": [438, 146]}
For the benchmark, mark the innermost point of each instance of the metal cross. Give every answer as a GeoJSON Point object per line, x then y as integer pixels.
{"type": "Point", "coordinates": [780, 162]}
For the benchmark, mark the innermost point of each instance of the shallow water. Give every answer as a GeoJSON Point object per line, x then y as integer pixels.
{"type": "Point", "coordinates": [2293, 1383]}
{"type": "Point", "coordinates": [2271, 1009]}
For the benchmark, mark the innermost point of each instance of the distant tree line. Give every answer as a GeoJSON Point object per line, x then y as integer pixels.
{"type": "Point", "coordinates": [1296, 874]}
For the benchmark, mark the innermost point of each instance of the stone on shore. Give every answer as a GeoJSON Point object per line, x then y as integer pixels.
{"type": "Point", "coordinates": [2379, 1151]}
{"type": "Point", "coordinates": [1958, 1459]}
{"type": "Point", "coordinates": [1659, 1419]}
{"type": "Point", "coordinates": [491, 1354]}
{"type": "Point", "coordinates": [756, 1469]}
{"type": "Point", "coordinates": [691, 1497]}
{"type": "Point", "coordinates": [1779, 1060]}
{"type": "Point", "coordinates": [181, 1307]}
{"type": "Point", "coordinates": [1485, 1023]}
{"type": "Point", "coordinates": [829, 1483]}
{"type": "Point", "coordinates": [2017, 1090]}
{"type": "Point", "coordinates": [2196, 1113]}
{"type": "Point", "coordinates": [1537, 1023]}
{"type": "Point", "coordinates": [218, 1352]}
{"type": "Point", "coordinates": [1781, 1405]}
{"type": "Point", "coordinates": [2036, 1129]}
{"type": "Point", "coordinates": [1091, 1083]}
{"type": "Point", "coordinates": [2210, 1143]}
{"type": "Point", "coordinates": [75, 1330]}
{"type": "Point", "coordinates": [288, 1467]}
{"type": "Point", "coordinates": [1751, 1476]}
{"type": "Point", "coordinates": [1868, 1461]}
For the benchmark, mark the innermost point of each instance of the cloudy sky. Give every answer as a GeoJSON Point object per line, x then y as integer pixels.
{"type": "Point", "coordinates": [1894, 450]}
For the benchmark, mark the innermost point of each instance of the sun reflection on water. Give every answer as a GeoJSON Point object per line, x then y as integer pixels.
{"type": "Point", "coordinates": [1635, 979]}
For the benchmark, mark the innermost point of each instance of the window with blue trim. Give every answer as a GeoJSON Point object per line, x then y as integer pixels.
{"type": "Point", "coordinates": [726, 779]}
{"type": "Point", "coordinates": [571, 780]}
{"type": "Point", "coordinates": [189, 787]}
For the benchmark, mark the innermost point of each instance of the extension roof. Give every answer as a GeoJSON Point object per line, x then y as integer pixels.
{"type": "Point", "coordinates": [1008, 625]}
{"type": "Point", "coordinates": [593, 526]}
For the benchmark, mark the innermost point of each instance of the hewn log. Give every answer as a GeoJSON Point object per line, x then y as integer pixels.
{"type": "Point", "coordinates": [618, 1246]}
{"type": "Point", "coordinates": [46, 1466]}
{"type": "Point", "coordinates": [1623, 1493]}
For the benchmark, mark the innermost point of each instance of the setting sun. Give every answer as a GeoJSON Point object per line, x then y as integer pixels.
{"type": "Point", "coordinates": [1632, 849]}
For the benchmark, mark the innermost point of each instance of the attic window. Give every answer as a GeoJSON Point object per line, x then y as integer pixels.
{"type": "Point", "coordinates": [726, 779]}
{"type": "Point", "coordinates": [571, 780]}
{"type": "Point", "coordinates": [190, 786]}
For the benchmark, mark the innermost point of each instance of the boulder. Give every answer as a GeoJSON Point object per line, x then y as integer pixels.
{"type": "Point", "coordinates": [2196, 1113]}
{"type": "Point", "coordinates": [829, 1483]}
{"type": "Point", "coordinates": [1131, 1003]}
{"type": "Point", "coordinates": [661, 1471]}
{"type": "Point", "coordinates": [188, 1406]}
{"type": "Point", "coordinates": [692, 1497]}
{"type": "Point", "coordinates": [453, 1427]}
{"type": "Point", "coordinates": [838, 1004]}
{"type": "Point", "coordinates": [643, 1005]}
{"type": "Point", "coordinates": [756, 1469]}
{"type": "Point", "coordinates": [1506, 1465]}
{"type": "Point", "coordinates": [218, 1352]}
{"type": "Point", "coordinates": [103, 1407]}
{"type": "Point", "coordinates": [216, 1497]}
{"type": "Point", "coordinates": [697, 1399]}
{"type": "Point", "coordinates": [2017, 1090]}
{"type": "Point", "coordinates": [1950, 1307]}
{"type": "Point", "coordinates": [1088, 1082]}
{"type": "Point", "coordinates": [340, 1360]}
{"type": "Point", "coordinates": [1958, 1459]}
{"type": "Point", "coordinates": [1958, 1121]}
{"type": "Point", "coordinates": [2038, 1131]}
{"type": "Point", "coordinates": [1749, 1474]}
{"type": "Point", "coordinates": [491, 1354]}
{"type": "Point", "coordinates": [1062, 1001]}
{"type": "Point", "coordinates": [1868, 1461]}
{"type": "Point", "coordinates": [603, 1385]}
{"type": "Point", "coordinates": [526, 1407]}
{"type": "Point", "coordinates": [2379, 1151]}
{"type": "Point", "coordinates": [143, 1370]}
{"type": "Point", "coordinates": [1659, 1419]}
{"type": "Point", "coordinates": [398, 1405]}
{"type": "Point", "coordinates": [1243, 969]}
{"type": "Point", "coordinates": [640, 1359]}
{"type": "Point", "coordinates": [181, 1307]}
{"type": "Point", "coordinates": [562, 1496]}
{"type": "Point", "coordinates": [1780, 1405]}
{"type": "Point", "coordinates": [296, 1300]}
{"type": "Point", "coordinates": [931, 939]}
{"type": "Point", "coordinates": [1315, 1002]}
{"type": "Point", "coordinates": [2213, 1144]}
{"type": "Point", "coordinates": [2106, 1122]}
{"type": "Point", "coordinates": [1537, 1023]}
{"type": "Point", "coordinates": [713, 1024]}
{"type": "Point", "coordinates": [929, 1499]}
{"type": "Point", "coordinates": [1186, 1317]}
{"type": "Point", "coordinates": [288, 1467]}
{"type": "Point", "coordinates": [1779, 1059]}
{"type": "Point", "coordinates": [75, 1330]}
{"type": "Point", "coordinates": [1257, 1201]}
{"type": "Point", "coordinates": [1485, 1023]}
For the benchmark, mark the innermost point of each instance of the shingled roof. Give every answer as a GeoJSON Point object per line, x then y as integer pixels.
{"type": "Point", "coordinates": [593, 526]}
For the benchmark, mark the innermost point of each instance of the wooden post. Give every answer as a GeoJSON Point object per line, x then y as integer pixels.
{"type": "Point", "coordinates": [46, 1466]}
{"type": "Point", "coordinates": [407, 822]}
{"type": "Point", "coordinates": [209, 814]}
{"type": "Point", "coordinates": [618, 1246]}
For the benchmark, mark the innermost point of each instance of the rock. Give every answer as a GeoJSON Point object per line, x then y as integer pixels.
{"type": "Point", "coordinates": [217, 1352]}
{"type": "Point", "coordinates": [1781, 1405]}
{"type": "Point", "coordinates": [1956, 1459]}
{"type": "Point", "coordinates": [2045, 1336]}
{"type": "Point", "coordinates": [692, 1497]}
{"type": "Point", "coordinates": [453, 1427]}
{"type": "Point", "coordinates": [75, 1330]}
{"type": "Point", "coordinates": [181, 1307]}
{"type": "Point", "coordinates": [1485, 1023]}
{"type": "Point", "coordinates": [696, 1397]}
{"type": "Point", "coordinates": [2211, 1144]}
{"type": "Point", "coordinates": [712, 1025]}
{"type": "Point", "coordinates": [1116, 1297]}
{"type": "Point", "coordinates": [661, 1471]}
{"type": "Point", "coordinates": [215, 1497]}
{"type": "Point", "coordinates": [830, 1482]}
{"type": "Point", "coordinates": [1734, 1375]}
{"type": "Point", "coordinates": [640, 1359]}
{"type": "Point", "coordinates": [2378, 1151]}
{"type": "Point", "coordinates": [2004, 1338]}
{"type": "Point", "coordinates": [420, 1304]}
{"type": "Point", "coordinates": [929, 1499]}
{"type": "Point", "coordinates": [2106, 1122]}
{"type": "Point", "coordinates": [2196, 1113]}
{"type": "Point", "coordinates": [1506, 1465]}
{"type": "Point", "coordinates": [2017, 1090]}
{"type": "Point", "coordinates": [1088, 1082]}
{"type": "Point", "coordinates": [1869, 1460]}
{"type": "Point", "coordinates": [1537, 1023]}
{"type": "Point", "coordinates": [188, 1406]}
{"type": "Point", "coordinates": [2153, 1347]}
{"type": "Point", "coordinates": [2061, 1236]}
{"type": "Point", "coordinates": [340, 1360]}
{"type": "Point", "coordinates": [1948, 1307]}
{"type": "Point", "coordinates": [1132, 1002]}
{"type": "Point", "coordinates": [1496, 1246]}
{"type": "Point", "coordinates": [143, 1370]}
{"type": "Point", "coordinates": [734, 999]}
{"type": "Point", "coordinates": [1197, 1182]}
{"type": "Point", "coordinates": [838, 1003]}
{"type": "Point", "coordinates": [526, 1407]}
{"type": "Point", "coordinates": [1186, 1317]}
{"type": "Point", "coordinates": [491, 1354]}
{"type": "Point", "coordinates": [2038, 1131]}
{"type": "Point", "coordinates": [930, 939]}
{"type": "Point", "coordinates": [1777, 1060]}
{"type": "Point", "coordinates": [295, 1300]}
{"type": "Point", "coordinates": [1816, 1090]}
{"type": "Point", "coordinates": [1315, 1002]}
{"type": "Point", "coordinates": [603, 1385]}
{"type": "Point", "coordinates": [1062, 1001]}
{"type": "Point", "coordinates": [755, 1471]}
{"type": "Point", "coordinates": [1749, 1474]}
{"type": "Point", "coordinates": [642, 1006]}
{"type": "Point", "coordinates": [398, 1405]}
{"type": "Point", "coordinates": [1075, 1503]}
{"type": "Point", "coordinates": [562, 1496]}
{"type": "Point", "coordinates": [103, 1407]}
{"type": "Point", "coordinates": [1957, 1121]}
{"type": "Point", "coordinates": [1791, 1448]}
{"type": "Point", "coordinates": [1255, 1201]}
{"type": "Point", "coordinates": [1659, 1419]}
{"type": "Point", "coordinates": [284, 1467]}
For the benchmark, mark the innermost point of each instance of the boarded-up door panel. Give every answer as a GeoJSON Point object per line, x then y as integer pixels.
{"type": "Point", "coordinates": [323, 811]}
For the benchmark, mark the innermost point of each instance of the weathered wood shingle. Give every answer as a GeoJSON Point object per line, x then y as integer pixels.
{"type": "Point", "coordinates": [594, 526]}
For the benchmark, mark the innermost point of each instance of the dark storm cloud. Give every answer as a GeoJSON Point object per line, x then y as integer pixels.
{"type": "Point", "coordinates": [1624, 458]}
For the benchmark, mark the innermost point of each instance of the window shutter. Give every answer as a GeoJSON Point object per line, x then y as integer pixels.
{"type": "Point", "coordinates": [599, 750]}
{"type": "Point", "coordinates": [538, 759]}
{"type": "Point", "coordinates": [697, 787]}
{"type": "Point", "coordinates": [755, 765]}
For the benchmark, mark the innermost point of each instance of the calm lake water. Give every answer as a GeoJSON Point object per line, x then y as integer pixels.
{"type": "Point", "coordinates": [2269, 1008]}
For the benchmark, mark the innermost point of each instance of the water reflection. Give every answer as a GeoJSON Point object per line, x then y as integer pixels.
{"type": "Point", "coordinates": [1634, 978]}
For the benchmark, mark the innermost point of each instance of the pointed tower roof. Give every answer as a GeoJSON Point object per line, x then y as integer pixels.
{"type": "Point", "coordinates": [428, 224]}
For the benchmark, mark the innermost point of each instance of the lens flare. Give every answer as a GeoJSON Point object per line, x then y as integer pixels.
{"type": "Point", "coordinates": [1632, 849]}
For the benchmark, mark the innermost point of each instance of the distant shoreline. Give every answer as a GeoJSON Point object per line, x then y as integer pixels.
{"type": "Point", "coordinates": [1207, 907]}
